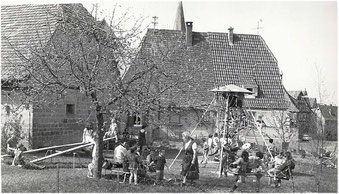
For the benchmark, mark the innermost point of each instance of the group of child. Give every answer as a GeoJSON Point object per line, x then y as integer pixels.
{"type": "Point", "coordinates": [277, 167]}
{"type": "Point", "coordinates": [273, 162]}
{"type": "Point", "coordinates": [131, 159]}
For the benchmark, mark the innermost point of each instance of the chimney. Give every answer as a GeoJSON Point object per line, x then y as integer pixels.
{"type": "Point", "coordinates": [189, 38]}
{"type": "Point", "coordinates": [230, 36]}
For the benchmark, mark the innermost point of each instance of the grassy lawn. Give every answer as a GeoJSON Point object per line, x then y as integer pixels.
{"type": "Point", "coordinates": [15, 179]}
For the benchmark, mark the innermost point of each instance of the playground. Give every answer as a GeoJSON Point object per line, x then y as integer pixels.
{"type": "Point", "coordinates": [66, 170]}
{"type": "Point", "coordinates": [69, 179]}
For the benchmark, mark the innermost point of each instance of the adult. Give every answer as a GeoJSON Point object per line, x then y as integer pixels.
{"type": "Point", "coordinates": [142, 137]}
{"type": "Point", "coordinates": [120, 153]}
{"type": "Point", "coordinates": [190, 166]}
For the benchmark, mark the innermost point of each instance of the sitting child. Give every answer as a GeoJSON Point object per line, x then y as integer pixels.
{"type": "Point", "coordinates": [278, 161]}
{"type": "Point", "coordinates": [19, 160]}
{"type": "Point", "coordinates": [150, 161]}
{"type": "Point", "coordinates": [256, 166]}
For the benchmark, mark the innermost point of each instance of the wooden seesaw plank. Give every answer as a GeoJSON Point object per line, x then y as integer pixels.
{"type": "Point", "coordinates": [48, 148]}
{"type": "Point", "coordinates": [65, 151]}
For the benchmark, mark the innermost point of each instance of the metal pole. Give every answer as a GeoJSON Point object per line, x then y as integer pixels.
{"type": "Point", "coordinates": [58, 177]}
{"type": "Point", "coordinates": [73, 160]}
{"type": "Point", "coordinates": [224, 133]}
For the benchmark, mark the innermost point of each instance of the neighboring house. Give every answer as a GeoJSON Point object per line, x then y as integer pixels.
{"type": "Point", "coordinates": [301, 111]}
{"type": "Point", "coordinates": [328, 118]}
{"type": "Point", "coordinates": [213, 59]}
{"type": "Point", "coordinates": [25, 27]}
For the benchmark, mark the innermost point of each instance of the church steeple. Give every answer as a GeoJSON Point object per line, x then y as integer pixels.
{"type": "Point", "coordinates": [179, 23]}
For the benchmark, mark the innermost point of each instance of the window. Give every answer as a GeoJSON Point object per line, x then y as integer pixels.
{"type": "Point", "coordinates": [252, 89]}
{"type": "Point", "coordinates": [70, 109]}
{"type": "Point", "coordinates": [137, 118]}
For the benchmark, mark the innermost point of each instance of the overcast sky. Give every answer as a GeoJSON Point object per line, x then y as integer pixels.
{"type": "Point", "coordinates": [301, 34]}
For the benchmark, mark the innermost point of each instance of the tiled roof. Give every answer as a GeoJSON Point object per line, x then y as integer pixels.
{"type": "Point", "coordinates": [183, 62]}
{"type": "Point", "coordinates": [295, 94]}
{"type": "Point", "coordinates": [25, 28]}
{"type": "Point", "coordinates": [329, 112]}
{"type": "Point", "coordinates": [22, 28]}
{"type": "Point", "coordinates": [299, 101]}
{"type": "Point", "coordinates": [247, 62]}
{"type": "Point", "coordinates": [249, 56]}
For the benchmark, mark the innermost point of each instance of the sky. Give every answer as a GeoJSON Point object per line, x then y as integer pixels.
{"type": "Point", "coordinates": [302, 35]}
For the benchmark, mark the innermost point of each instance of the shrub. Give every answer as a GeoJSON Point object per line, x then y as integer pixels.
{"type": "Point", "coordinates": [13, 125]}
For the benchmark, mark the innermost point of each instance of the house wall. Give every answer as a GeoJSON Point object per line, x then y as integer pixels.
{"type": "Point", "coordinates": [190, 118]}
{"type": "Point", "coordinates": [10, 100]}
{"type": "Point", "coordinates": [53, 126]}
{"type": "Point", "coordinates": [171, 129]}
{"type": "Point", "coordinates": [331, 130]}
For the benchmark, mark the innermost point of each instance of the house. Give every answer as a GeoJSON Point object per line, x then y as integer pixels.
{"type": "Point", "coordinates": [23, 29]}
{"type": "Point", "coordinates": [209, 60]}
{"type": "Point", "coordinates": [328, 119]}
{"type": "Point", "coordinates": [301, 109]}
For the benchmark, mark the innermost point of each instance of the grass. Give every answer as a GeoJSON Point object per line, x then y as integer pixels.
{"type": "Point", "coordinates": [16, 179]}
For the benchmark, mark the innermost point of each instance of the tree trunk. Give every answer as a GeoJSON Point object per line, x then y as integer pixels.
{"type": "Point", "coordinates": [98, 148]}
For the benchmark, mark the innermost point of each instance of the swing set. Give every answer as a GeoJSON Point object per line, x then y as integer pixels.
{"type": "Point", "coordinates": [231, 119]}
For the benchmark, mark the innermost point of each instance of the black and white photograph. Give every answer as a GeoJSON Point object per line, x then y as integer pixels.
{"type": "Point", "coordinates": [169, 96]}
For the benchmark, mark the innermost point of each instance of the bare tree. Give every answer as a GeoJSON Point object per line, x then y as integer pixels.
{"type": "Point", "coordinates": [89, 56]}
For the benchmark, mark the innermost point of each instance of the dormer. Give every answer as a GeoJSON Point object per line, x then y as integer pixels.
{"type": "Point", "coordinates": [248, 82]}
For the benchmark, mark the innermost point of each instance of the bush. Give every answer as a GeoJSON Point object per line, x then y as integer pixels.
{"type": "Point", "coordinates": [11, 126]}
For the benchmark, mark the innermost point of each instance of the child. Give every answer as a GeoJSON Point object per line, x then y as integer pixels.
{"type": "Point", "coordinates": [160, 163]}
{"type": "Point", "coordinates": [256, 166]}
{"type": "Point", "coordinates": [278, 161]}
{"type": "Point", "coordinates": [134, 162]}
{"type": "Point", "coordinates": [20, 160]}
{"type": "Point", "coordinates": [205, 152]}
{"type": "Point", "coordinates": [150, 160]}
{"type": "Point", "coordinates": [242, 164]}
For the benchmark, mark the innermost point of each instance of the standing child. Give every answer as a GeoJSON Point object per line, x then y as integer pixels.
{"type": "Point", "coordinates": [134, 162]}
{"type": "Point", "coordinates": [160, 163]}
{"type": "Point", "coordinates": [205, 148]}
{"type": "Point", "coordinates": [242, 164]}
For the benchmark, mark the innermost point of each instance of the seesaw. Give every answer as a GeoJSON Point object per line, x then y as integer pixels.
{"type": "Point", "coordinates": [47, 148]}
{"type": "Point", "coordinates": [65, 151]}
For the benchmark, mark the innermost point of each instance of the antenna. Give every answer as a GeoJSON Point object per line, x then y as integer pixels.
{"type": "Point", "coordinates": [258, 26]}
{"type": "Point", "coordinates": [155, 21]}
